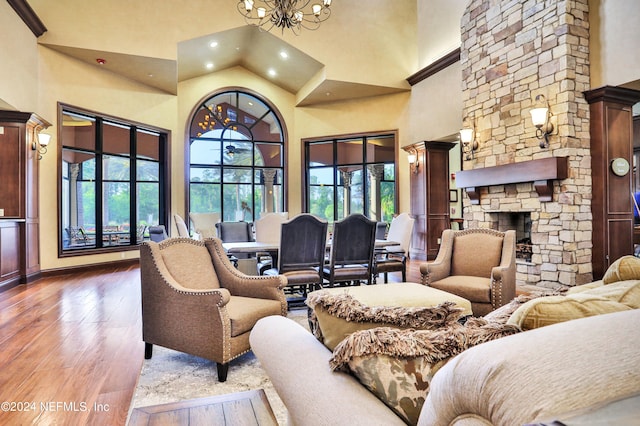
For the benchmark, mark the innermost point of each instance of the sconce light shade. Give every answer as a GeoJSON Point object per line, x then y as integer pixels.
{"type": "Point", "coordinates": [411, 158]}
{"type": "Point", "coordinates": [539, 116]}
{"type": "Point", "coordinates": [44, 139]}
{"type": "Point", "coordinates": [466, 135]}
{"type": "Point", "coordinates": [541, 119]}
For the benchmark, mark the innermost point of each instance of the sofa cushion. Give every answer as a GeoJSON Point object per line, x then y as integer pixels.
{"type": "Point", "coordinates": [585, 287]}
{"type": "Point", "coordinates": [625, 268]}
{"type": "Point", "coordinates": [397, 365]}
{"type": "Point", "coordinates": [336, 313]}
{"type": "Point", "coordinates": [190, 264]}
{"type": "Point", "coordinates": [465, 259]}
{"type": "Point", "coordinates": [554, 309]}
{"type": "Point", "coordinates": [626, 292]}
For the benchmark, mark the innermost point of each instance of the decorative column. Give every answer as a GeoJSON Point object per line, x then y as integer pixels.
{"type": "Point", "coordinates": [376, 173]}
{"type": "Point", "coordinates": [346, 182]}
{"type": "Point", "coordinates": [269, 177]}
{"type": "Point", "coordinates": [74, 171]}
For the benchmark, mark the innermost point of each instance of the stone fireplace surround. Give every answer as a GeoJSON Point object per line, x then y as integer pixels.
{"type": "Point", "coordinates": [512, 51]}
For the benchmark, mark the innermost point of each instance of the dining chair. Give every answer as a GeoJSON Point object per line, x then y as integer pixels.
{"type": "Point", "coordinates": [352, 246]}
{"type": "Point", "coordinates": [238, 232]}
{"type": "Point", "coordinates": [394, 258]}
{"type": "Point", "coordinates": [303, 242]}
{"type": "Point", "coordinates": [205, 224]}
{"type": "Point", "coordinates": [181, 226]}
{"type": "Point", "coordinates": [268, 229]}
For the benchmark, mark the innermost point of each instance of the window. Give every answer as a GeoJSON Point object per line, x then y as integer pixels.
{"type": "Point", "coordinates": [236, 157]}
{"type": "Point", "coordinates": [351, 175]}
{"type": "Point", "coordinates": [112, 183]}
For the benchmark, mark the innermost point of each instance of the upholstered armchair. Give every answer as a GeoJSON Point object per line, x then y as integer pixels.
{"type": "Point", "coordinates": [477, 264]}
{"type": "Point", "coordinates": [195, 301]}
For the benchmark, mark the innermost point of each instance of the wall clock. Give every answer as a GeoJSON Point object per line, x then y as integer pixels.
{"type": "Point", "coordinates": [620, 166]}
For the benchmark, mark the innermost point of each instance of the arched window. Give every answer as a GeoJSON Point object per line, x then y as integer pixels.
{"type": "Point", "coordinates": [236, 157]}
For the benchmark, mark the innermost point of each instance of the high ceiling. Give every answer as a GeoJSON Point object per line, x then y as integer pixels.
{"type": "Point", "coordinates": [247, 46]}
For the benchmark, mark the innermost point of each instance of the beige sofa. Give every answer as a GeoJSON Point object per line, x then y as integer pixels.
{"type": "Point", "coordinates": [534, 376]}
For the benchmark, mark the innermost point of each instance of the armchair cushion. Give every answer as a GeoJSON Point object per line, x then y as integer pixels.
{"type": "Point", "coordinates": [476, 289]}
{"type": "Point", "coordinates": [397, 365]}
{"type": "Point", "coordinates": [465, 259]}
{"type": "Point", "coordinates": [244, 312]}
{"type": "Point", "coordinates": [190, 265]}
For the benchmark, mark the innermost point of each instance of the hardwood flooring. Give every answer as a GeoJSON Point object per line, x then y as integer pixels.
{"type": "Point", "coordinates": [71, 347]}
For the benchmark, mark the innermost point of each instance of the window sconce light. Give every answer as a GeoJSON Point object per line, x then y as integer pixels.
{"type": "Point", "coordinates": [41, 144]}
{"type": "Point", "coordinates": [413, 161]}
{"type": "Point", "coordinates": [469, 142]}
{"type": "Point", "coordinates": [541, 117]}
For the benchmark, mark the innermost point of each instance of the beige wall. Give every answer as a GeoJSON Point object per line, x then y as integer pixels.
{"type": "Point", "coordinates": [614, 38]}
{"type": "Point", "coordinates": [438, 28]}
{"type": "Point", "coordinates": [18, 63]}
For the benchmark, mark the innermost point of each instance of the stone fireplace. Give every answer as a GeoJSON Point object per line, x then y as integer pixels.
{"type": "Point", "coordinates": [511, 52]}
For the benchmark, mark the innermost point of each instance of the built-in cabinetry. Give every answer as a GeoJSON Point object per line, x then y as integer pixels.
{"type": "Point", "coordinates": [611, 131]}
{"type": "Point", "coordinates": [429, 196]}
{"type": "Point", "coordinates": [19, 211]}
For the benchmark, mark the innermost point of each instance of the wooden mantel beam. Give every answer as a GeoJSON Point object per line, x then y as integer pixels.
{"type": "Point", "coordinates": [542, 172]}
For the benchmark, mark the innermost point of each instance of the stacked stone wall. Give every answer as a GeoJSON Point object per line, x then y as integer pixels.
{"type": "Point", "coordinates": [513, 50]}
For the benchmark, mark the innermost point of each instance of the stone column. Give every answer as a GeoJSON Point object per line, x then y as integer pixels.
{"type": "Point", "coordinates": [376, 173]}
{"type": "Point", "coordinates": [346, 182]}
{"type": "Point", "coordinates": [269, 177]}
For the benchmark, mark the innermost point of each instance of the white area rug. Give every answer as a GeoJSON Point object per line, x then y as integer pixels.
{"type": "Point", "coordinates": [171, 376]}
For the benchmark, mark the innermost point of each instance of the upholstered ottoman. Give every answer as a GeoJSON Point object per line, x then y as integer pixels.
{"type": "Point", "coordinates": [337, 312]}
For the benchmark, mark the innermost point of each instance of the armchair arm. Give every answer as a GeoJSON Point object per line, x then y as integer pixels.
{"type": "Point", "coordinates": [503, 277]}
{"type": "Point", "coordinates": [239, 284]}
{"type": "Point", "coordinates": [440, 267]}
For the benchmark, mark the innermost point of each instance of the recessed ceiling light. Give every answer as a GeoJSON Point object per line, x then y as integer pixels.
{"type": "Point", "coordinates": [272, 72]}
{"type": "Point", "coordinates": [209, 65]}
{"type": "Point", "coordinates": [213, 44]}
{"type": "Point", "coordinates": [250, 103]}
{"type": "Point", "coordinates": [283, 54]}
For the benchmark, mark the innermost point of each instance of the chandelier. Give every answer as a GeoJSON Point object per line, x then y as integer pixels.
{"type": "Point", "coordinates": [293, 14]}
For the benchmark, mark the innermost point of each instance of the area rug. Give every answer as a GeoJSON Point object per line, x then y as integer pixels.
{"type": "Point", "coordinates": [171, 376]}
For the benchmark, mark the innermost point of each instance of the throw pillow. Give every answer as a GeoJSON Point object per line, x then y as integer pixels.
{"type": "Point", "coordinates": [504, 312]}
{"type": "Point", "coordinates": [625, 268]}
{"type": "Point", "coordinates": [625, 292]}
{"type": "Point", "coordinates": [334, 316]}
{"type": "Point", "coordinates": [397, 365]}
{"type": "Point", "coordinates": [554, 309]}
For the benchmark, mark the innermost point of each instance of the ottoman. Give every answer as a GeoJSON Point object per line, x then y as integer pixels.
{"type": "Point", "coordinates": [333, 315]}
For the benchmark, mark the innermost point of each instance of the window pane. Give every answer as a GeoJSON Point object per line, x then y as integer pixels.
{"type": "Point", "coordinates": [205, 151]}
{"type": "Point", "coordinates": [116, 168]}
{"type": "Point", "coordinates": [321, 176]}
{"type": "Point", "coordinates": [115, 207]}
{"type": "Point", "coordinates": [78, 131]}
{"type": "Point", "coordinates": [116, 138]}
{"type": "Point", "coordinates": [350, 152]}
{"type": "Point", "coordinates": [381, 149]}
{"type": "Point", "coordinates": [148, 145]}
{"type": "Point", "coordinates": [238, 153]}
{"type": "Point", "coordinates": [204, 198]}
{"type": "Point", "coordinates": [321, 154]}
{"type": "Point", "coordinates": [321, 202]}
{"type": "Point", "coordinates": [205, 174]}
{"type": "Point", "coordinates": [237, 175]}
{"type": "Point", "coordinates": [268, 155]}
{"type": "Point", "coordinates": [388, 201]}
{"type": "Point", "coordinates": [148, 203]}
{"type": "Point", "coordinates": [237, 203]}
{"type": "Point", "coordinates": [148, 170]}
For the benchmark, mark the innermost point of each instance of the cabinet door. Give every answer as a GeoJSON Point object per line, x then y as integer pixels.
{"type": "Point", "coordinates": [11, 170]}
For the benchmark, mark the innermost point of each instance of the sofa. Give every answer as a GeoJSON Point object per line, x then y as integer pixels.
{"type": "Point", "coordinates": [571, 355]}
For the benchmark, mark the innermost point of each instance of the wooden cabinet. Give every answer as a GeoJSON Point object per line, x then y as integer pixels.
{"type": "Point", "coordinates": [611, 130]}
{"type": "Point", "coordinates": [429, 196]}
{"type": "Point", "coordinates": [19, 210]}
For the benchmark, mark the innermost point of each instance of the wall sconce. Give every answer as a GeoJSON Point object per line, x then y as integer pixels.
{"type": "Point", "coordinates": [413, 161]}
{"type": "Point", "coordinates": [469, 142]}
{"type": "Point", "coordinates": [541, 118]}
{"type": "Point", "coordinates": [41, 145]}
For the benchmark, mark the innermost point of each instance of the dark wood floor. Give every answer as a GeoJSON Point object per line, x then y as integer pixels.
{"type": "Point", "coordinates": [71, 347]}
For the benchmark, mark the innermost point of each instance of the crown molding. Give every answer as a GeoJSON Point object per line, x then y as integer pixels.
{"type": "Point", "coordinates": [28, 16]}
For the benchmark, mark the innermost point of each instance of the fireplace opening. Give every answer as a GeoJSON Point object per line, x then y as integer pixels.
{"type": "Point", "coordinates": [521, 223]}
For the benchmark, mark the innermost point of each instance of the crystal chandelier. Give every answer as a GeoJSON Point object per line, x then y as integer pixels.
{"type": "Point", "coordinates": [293, 14]}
